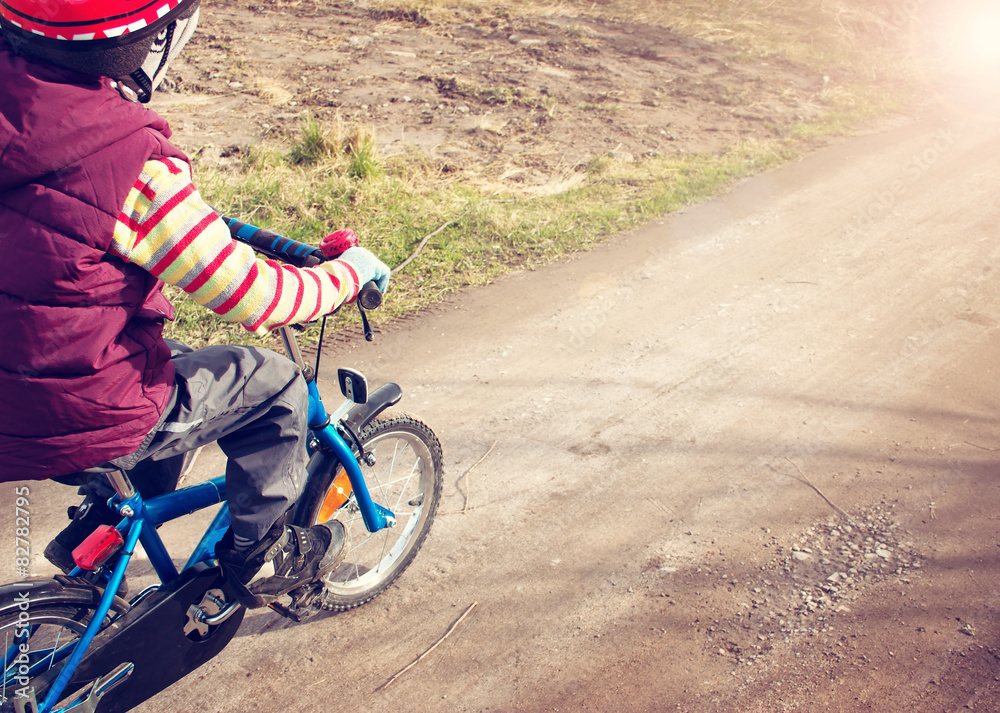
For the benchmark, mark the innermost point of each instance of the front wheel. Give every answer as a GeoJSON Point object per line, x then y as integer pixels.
{"type": "Point", "coordinates": [406, 478]}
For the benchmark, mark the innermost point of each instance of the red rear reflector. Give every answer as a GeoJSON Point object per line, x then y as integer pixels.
{"type": "Point", "coordinates": [98, 547]}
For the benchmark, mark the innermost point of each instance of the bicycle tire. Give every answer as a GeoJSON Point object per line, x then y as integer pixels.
{"type": "Point", "coordinates": [47, 629]}
{"type": "Point", "coordinates": [406, 478]}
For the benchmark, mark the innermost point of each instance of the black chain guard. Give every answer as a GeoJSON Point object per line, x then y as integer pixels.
{"type": "Point", "coordinates": [152, 637]}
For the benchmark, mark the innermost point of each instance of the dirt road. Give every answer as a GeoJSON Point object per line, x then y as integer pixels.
{"type": "Point", "coordinates": [746, 460]}
{"type": "Point", "coordinates": [644, 535]}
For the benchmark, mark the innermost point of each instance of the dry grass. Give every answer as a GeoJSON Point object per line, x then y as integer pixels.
{"type": "Point", "coordinates": [271, 92]}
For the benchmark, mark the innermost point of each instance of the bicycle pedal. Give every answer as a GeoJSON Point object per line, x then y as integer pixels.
{"type": "Point", "coordinates": [296, 615]}
{"type": "Point", "coordinates": [302, 602]}
{"type": "Point", "coordinates": [199, 615]}
{"type": "Point", "coordinates": [284, 611]}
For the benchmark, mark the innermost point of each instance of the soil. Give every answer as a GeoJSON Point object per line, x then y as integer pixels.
{"type": "Point", "coordinates": [742, 459]}
{"type": "Point", "coordinates": [519, 101]}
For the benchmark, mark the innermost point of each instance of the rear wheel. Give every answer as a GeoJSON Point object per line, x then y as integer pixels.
{"type": "Point", "coordinates": [37, 641]}
{"type": "Point", "coordinates": [406, 479]}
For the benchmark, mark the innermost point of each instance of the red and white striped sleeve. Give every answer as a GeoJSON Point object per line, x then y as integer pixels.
{"type": "Point", "coordinates": [166, 228]}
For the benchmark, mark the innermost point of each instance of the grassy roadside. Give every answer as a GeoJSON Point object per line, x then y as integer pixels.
{"type": "Point", "coordinates": [333, 175]}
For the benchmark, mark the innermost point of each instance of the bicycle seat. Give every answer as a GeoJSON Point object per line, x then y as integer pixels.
{"type": "Point", "coordinates": [100, 469]}
{"type": "Point", "coordinates": [81, 477]}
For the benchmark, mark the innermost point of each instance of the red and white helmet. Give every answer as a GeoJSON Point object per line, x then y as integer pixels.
{"type": "Point", "coordinates": [113, 38]}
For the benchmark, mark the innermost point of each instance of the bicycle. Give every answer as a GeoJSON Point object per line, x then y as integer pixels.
{"type": "Point", "coordinates": [72, 644]}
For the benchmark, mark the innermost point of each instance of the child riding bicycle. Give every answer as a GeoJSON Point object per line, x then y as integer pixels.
{"type": "Point", "coordinates": [97, 212]}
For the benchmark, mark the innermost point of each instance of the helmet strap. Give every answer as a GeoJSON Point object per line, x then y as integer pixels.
{"type": "Point", "coordinates": [139, 76]}
{"type": "Point", "coordinates": [144, 84]}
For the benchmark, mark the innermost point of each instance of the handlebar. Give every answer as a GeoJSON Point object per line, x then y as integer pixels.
{"type": "Point", "coordinates": [295, 253]}
{"type": "Point", "coordinates": [274, 245]}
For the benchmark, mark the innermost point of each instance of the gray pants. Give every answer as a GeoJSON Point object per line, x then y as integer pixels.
{"type": "Point", "coordinates": [255, 404]}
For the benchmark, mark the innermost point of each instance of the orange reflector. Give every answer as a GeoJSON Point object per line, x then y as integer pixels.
{"type": "Point", "coordinates": [336, 496]}
{"type": "Point", "coordinates": [98, 547]}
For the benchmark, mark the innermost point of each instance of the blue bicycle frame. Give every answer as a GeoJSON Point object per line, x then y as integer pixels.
{"type": "Point", "coordinates": [142, 517]}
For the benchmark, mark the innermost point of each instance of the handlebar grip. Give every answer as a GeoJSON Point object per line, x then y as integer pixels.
{"type": "Point", "coordinates": [267, 241]}
{"type": "Point", "coordinates": [370, 296]}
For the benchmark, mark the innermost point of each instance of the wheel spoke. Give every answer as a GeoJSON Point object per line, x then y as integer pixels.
{"type": "Point", "coordinates": [401, 479]}
{"type": "Point", "coordinates": [385, 541]}
{"type": "Point", "coordinates": [406, 484]}
{"type": "Point", "coordinates": [6, 648]}
{"type": "Point", "coordinates": [392, 465]}
{"type": "Point", "coordinates": [360, 545]}
{"type": "Point", "coordinates": [55, 647]}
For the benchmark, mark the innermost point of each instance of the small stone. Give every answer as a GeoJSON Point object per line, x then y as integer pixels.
{"type": "Point", "coordinates": [361, 42]}
{"type": "Point", "coordinates": [801, 556]}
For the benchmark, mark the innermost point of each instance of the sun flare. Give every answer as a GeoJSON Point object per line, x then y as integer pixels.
{"type": "Point", "coordinates": [976, 37]}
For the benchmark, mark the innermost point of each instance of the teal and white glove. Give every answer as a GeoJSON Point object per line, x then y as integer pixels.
{"type": "Point", "coordinates": [367, 266]}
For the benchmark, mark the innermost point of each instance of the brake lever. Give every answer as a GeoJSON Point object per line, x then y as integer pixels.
{"type": "Point", "coordinates": [369, 296]}
{"type": "Point", "coordinates": [369, 333]}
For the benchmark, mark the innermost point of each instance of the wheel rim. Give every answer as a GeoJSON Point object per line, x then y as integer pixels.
{"type": "Point", "coordinates": [399, 480]}
{"type": "Point", "coordinates": [50, 640]}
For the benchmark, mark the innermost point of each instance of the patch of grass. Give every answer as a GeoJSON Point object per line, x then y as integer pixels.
{"type": "Point", "coordinates": [362, 154]}
{"type": "Point", "coordinates": [848, 109]}
{"type": "Point", "coordinates": [336, 146]}
{"type": "Point", "coordinates": [316, 143]}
